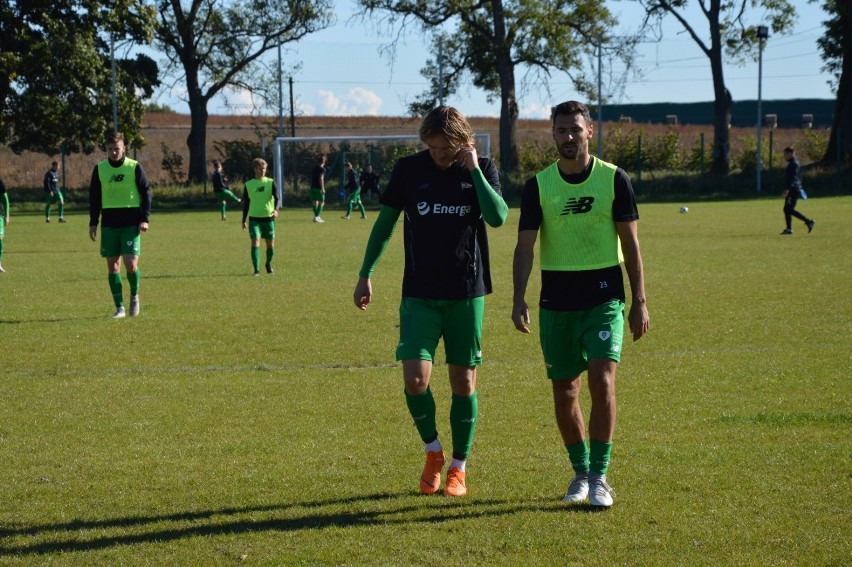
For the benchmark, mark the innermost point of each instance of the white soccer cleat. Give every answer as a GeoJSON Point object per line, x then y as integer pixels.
{"type": "Point", "coordinates": [134, 305]}
{"type": "Point", "coordinates": [578, 490]}
{"type": "Point", "coordinates": [119, 313]}
{"type": "Point", "coordinates": [600, 493]}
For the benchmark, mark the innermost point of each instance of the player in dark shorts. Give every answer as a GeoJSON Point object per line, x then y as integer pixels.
{"type": "Point", "coordinates": [447, 195]}
{"type": "Point", "coordinates": [793, 192]}
{"type": "Point", "coordinates": [585, 211]}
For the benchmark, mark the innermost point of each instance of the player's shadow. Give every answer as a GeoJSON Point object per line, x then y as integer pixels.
{"type": "Point", "coordinates": [294, 517]}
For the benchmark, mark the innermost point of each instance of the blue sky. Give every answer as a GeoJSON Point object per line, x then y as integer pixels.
{"type": "Point", "coordinates": [344, 70]}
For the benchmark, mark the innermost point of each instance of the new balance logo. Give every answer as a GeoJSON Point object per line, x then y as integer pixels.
{"type": "Point", "coordinates": [117, 178]}
{"type": "Point", "coordinates": [578, 206]}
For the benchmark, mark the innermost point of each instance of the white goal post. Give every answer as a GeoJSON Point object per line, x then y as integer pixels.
{"type": "Point", "coordinates": [294, 159]}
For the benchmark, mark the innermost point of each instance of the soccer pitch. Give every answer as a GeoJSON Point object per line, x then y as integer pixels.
{"type": "Point", "coordinates": [261, 419]}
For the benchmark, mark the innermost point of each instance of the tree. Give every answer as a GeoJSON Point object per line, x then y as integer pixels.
{"type": "Point", "coordinates": [836, 48]}
{"type": "Point", "coordinates": [489, 39]}
{"type": "Point", "coordinates": [56, 77]}
{"type": "Point", "coordinates": [217, 44]}
{"type": "Point", "coordinates": [731, 35]}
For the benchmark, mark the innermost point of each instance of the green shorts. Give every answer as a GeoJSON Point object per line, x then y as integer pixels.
{"type": "Point", "coordinates": [570, 338]}
{"type": "Point", "coordinates": [55, 198]}
{"type": "Point", "coordinates": [356, 197]}
{"type": "Point", "coordinates": [120, 241]}
{"type": "Point", "coordinates": [317, 194]}
{"type": "Point", "coordinates": [422, 323]}
{"type": "Point", "coordinates": [2, 226]}
{"type": "Point", "coordinates": [261, 229]}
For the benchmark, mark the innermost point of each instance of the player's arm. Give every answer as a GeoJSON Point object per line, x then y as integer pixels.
{"type": "Point", "coordinates": [522, 262]}
{"type": "Point", "coordinates": [378, 241]}
{"type": "Point", "coordinates": [5, 201]}
{"type": "Point", "coordinates": [245, 205]}
{"type": "Point", "coordinates": [277, 201]}
{"type": "Point", "coordinates": [638, 316]}
{"type": "Point", "coordinates": [495, 211]}
{"type": "Point", "coordinates": [95, 203]}
{"type": "Point", "coordinates": [146, 196]}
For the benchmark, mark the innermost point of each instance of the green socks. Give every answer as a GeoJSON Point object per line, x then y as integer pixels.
{"type": "Point", "coordinates": [463, 413]}
{"type": "Point", "coordinates": [133, 279]}
{"type": "Point", "coordinates": [223, 208]}
{"type": "Point", "coordinates": [599, 456]}
{"type": "Point", "coordinates": [578, 454]}
{"type": "Point", "coordinates": [270, 253]}
{"type": "Point", "coordinates": [422, 410]}
{"type": "Point", "coordinates": [115, 288]}
{"type": "Point", "coordinates": [1, 249]}
{"type": "Point", "coordinates": [255, 258]}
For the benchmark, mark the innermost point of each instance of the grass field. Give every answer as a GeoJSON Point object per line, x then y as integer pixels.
{"type": "Point", "coordinates": [261, 420]}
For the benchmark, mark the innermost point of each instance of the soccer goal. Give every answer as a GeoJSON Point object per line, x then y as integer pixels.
{"type": "Point", "coordinates": [295, 158]}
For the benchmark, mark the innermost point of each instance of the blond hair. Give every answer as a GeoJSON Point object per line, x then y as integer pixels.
{"type": "Point", "coordinates": [449, 123]}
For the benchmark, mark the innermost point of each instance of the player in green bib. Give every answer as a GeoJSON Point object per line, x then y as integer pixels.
{"type": "Point", "coordinates": [447, 194]}
{"type": "Point", "coordinates": [260, 209]}
{"type": "Point", "coordinates": [120, 197]}
{"type": "Point", "coordinates": [585, 211]}
{"type": "Point", "coordinates": [4, 218]}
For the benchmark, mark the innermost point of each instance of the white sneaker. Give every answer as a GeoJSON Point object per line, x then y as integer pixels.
{"type": "Point", "coordinates": [316, 219]}
{"type": "Point", "coordinates": [578, 490]}
{"type": "Point", "coordinates": [319, 219]}
{"type": "Point", "coordinates": [134, 305]}
{"type": "Point", "coordinates": [1, 269]}
{"type": "Point", "coordinates": [119, 313]}
{"type": "Point", "coordinates": [600, 493]}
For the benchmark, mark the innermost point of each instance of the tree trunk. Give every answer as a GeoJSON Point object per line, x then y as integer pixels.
{"type": "Point", "coordinates": [722, 103]}
{"type": "Point", "coordinates": [197, 139]}
{"type": "Point", "coordinates": [840, 140]}
{"type": "Point", "coordinates": [508, 101]}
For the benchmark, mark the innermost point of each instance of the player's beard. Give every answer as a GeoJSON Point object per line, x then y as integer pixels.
{"type": "Point", "coordinates": [571, 151]}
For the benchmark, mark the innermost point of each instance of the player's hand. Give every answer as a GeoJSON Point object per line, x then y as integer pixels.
{"type": "Point", "coordinates": [467, 157]}
{"type": "Point", "coordinates": [143, 227]}
{"type": "Point", "coordinates": [245, 227]}
{"type": "Point", "coordinates": [363, 293]}
{"type": "Point", "coordinates": [638, 320]}
{"type": "Point", "coordinates": [93, 232]}
{"type": "Point", "coordinates": [274, 214]}
{"type": "Point", "coordinates": [521, 316]}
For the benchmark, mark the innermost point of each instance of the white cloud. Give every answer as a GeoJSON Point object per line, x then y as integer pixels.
{"type": "Point", "coordinates": [535, 111]}
{"type": "Point", "coordinates": [357, 101]}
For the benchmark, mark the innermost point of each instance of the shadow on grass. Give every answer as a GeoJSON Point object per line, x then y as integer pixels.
{"type": "Point", "coordinates": [71, 537]}
{"type": "Point", "coordinates": [50, 320]}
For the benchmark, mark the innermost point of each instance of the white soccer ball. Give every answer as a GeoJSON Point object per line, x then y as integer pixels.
{"type": "Point", "coordinates": [684, 209]}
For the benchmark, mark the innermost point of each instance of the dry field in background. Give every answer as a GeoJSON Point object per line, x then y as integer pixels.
{"type": "Point", "coordinates": [171, 130]}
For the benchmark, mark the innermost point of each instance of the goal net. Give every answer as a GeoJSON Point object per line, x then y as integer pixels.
{"type": "Point", "coordinates": [295, 158]}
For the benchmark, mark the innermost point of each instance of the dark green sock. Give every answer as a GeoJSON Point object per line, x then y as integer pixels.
{"type": "Point", "coordinates": [363, 210]}
{"type": "Point", "coordinates": [270, 253]}
{"type": "Point", "coordinates": [599, 456]}
{"type": "Point", "coordinates": [348, 209]}
{"type": "Point", "coordinates": [115, 288]}
{"type": "Point", "coordinates": [422, 410]}
{"type": "Point", "coordinates": [61, 210]}
{"type": "Point", "coordinates": [464, 411]}
{"type": "Point", "coordinates": [223, 208]}
{"type": "Point", "coordinates": [578, 454]}
{"type": "Point", "coordinates": [1, 249]}
{"type": "Point", "coordinates": [133, 279]}
{"type": "Point", "coordinates": [47, 211]}
{"type": "Point", "coordinates": [319, 208]}
{"type": "Point", "coordinates": [255, 258]}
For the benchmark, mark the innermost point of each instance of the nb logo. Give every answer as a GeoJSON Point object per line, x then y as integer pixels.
{"type": "Point", "coordinates": [578, 206]}
{"type": "Point", "coordinates": [117, 178]}
{"type": "Point", "coordinates": [260, 189]}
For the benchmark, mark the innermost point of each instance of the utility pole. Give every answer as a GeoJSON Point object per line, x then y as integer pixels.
{"type": "Point", "coordinates": [762, 34]}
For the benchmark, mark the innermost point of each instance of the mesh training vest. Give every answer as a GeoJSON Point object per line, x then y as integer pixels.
{"type": "Point", "coordinates": [577, 229]}
{"type": "Point", "coordinates": [118, 185]}
{"type": "Point", "coordinates": [261, 198]}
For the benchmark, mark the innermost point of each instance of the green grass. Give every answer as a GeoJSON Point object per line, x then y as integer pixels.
{"type": "Point", "coordinates": [262, 419]}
